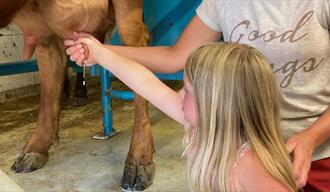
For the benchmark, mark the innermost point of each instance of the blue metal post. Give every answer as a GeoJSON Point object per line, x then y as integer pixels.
{"type": "Point", "coordinates": [106, 101]}
{"type": "Point", "coordinates": [165, 20]}
{"type": "Point", "coordinates": [106, 95]}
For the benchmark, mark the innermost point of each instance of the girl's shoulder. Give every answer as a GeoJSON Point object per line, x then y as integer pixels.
{"type": "Point", "coordinates": [248, 174]}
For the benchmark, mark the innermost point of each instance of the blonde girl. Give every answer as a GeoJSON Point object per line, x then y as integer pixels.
{"type": "Point", "coordinates": [229, 105]}
{"type": "Point", "coordinates": [238, 122]}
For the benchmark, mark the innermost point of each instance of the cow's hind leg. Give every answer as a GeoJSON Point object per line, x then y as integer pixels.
{"type": "Point", "coordinates": [52, 64]}
{"type": "Point", "coordinates": [139, 167]}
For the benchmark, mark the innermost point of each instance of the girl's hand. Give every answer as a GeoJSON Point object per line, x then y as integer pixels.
{"type": "Point", "coordinates": [301, 147]}
{"type": "Point", "coordinates": [83, 48]}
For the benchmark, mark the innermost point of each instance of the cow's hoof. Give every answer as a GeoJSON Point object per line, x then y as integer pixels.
{"type": "Point", "coordinates": [28, 162]}
{"type": "Point", "coordinates": [137, 178]}
{"type": "Point", "coordinates": [80, 101]}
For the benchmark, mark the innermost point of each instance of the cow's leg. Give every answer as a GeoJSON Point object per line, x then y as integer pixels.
{"type": "Point", "coordinates": [52, 64]}
{"type": "Point", "coordinates": [139, 167]}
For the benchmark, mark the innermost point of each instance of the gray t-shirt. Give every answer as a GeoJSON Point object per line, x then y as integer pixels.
{"type": "Point", "coordinates": [294, 36]}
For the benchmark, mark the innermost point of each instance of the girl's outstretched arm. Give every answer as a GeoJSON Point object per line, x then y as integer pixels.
{"type": "Point", "coordinates": [133, 74]}
{"type": "Point", "coordinates": [143, 82]}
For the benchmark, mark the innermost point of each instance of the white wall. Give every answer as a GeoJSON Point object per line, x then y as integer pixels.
{"type": "Point", "coordinates": [11, 50]}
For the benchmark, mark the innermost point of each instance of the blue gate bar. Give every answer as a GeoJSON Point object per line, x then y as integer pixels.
{"type": "Point", "coordinates": [18, 67]}
{"type": "Point", "coordinates": [165, 20]}
{"type": "Point", "coordinates": [122, 95]}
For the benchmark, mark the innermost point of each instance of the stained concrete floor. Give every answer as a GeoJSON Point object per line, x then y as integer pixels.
{"type": "Point", "coordinates": [80, 163]}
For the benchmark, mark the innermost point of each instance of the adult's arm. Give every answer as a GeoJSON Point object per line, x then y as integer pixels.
{"type": "Point", "coordinates": [169, 59]}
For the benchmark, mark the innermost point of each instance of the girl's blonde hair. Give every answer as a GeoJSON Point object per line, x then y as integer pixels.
{"type": "Point", "coordinates": [237, 101]}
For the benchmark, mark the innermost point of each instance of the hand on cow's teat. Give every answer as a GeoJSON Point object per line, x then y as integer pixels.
{"type": "Point", "coordinates": [82, 49]}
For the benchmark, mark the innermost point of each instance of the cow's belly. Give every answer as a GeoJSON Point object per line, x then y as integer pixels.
{"type": "Point", "coordinates": [66, 16]}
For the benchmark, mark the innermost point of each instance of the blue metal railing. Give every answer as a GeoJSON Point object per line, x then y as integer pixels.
{"type": "Point", "coordinates": [18, 67]}
{"type": "Point", "coordinates": [165, 20]}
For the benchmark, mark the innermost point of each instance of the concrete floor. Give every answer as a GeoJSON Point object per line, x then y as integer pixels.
{"type": "Point", "coordinates": [80, 163]}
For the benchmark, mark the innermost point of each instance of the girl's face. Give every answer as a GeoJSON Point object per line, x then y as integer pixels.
{"type": "Point", "coordinates": [188, 103]}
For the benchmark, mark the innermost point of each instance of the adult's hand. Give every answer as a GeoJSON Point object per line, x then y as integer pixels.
{"type": "Point", "coordinates": [301, 147]}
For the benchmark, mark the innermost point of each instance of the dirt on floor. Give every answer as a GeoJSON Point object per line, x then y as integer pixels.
{"type": "Point", "coordinates": [81, 163]}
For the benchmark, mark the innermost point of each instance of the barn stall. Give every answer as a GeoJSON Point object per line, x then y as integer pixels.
{"type": "Point", "coordinates": [86, 159]}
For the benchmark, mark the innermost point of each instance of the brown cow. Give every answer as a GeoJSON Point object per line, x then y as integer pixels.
{"type": "Point", "coordinates": [45, 23]}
